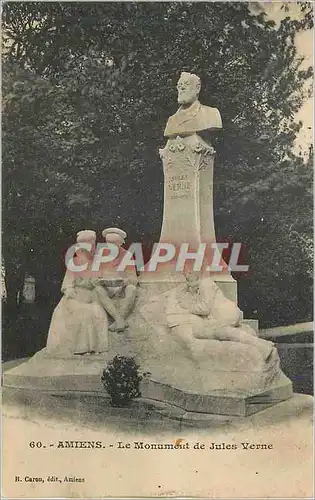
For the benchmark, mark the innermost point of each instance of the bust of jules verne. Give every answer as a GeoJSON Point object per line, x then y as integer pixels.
{"type": "Point", "coordinates": [191, 117]}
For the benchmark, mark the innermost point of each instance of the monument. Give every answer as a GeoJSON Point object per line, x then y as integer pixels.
{"type": "Point", "coordinates": [189, 334]}
{"type": "Point", "coordinates": [188, 161]}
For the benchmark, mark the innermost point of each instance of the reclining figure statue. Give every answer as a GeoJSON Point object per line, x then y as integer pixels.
{"type": "Point", "coordinates": [199, 310]}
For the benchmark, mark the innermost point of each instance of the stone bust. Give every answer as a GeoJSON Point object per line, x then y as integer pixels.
{"type": "Point", "coordinates": [191, 117]}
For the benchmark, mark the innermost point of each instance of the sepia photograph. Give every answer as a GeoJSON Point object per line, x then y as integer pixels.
{"type": "Point", "coordinates": [157, 249]}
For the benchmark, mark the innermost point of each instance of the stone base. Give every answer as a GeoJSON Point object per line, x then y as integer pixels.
{"type": "Point", "coordinates": [82, 375]}
{"type": "Point", "coordinates": [253, 323]}
{"type": "Point", "coordinates": [228, 285]}
{"type": "Point", "coordinates": [217, 402]}
{"type": "Point", "coordinates": [95, 407]}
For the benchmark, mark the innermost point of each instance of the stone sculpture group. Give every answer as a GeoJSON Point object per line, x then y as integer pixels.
{"type": "Point", "coordinates": [80, 322]}
{"type": "Point", "coordinates": [186, 328]}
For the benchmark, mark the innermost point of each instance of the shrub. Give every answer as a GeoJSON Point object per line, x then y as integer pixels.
{"type": "Point", "coordinates": [121, 380]}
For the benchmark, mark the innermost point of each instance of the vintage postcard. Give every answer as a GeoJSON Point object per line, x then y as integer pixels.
{"type": "Point", "coordinates": [157, 273]}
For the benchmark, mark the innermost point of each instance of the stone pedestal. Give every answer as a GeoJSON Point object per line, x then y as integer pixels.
{"type": "Point", "coordinates": [55, 375]}
{"type": "Point", "coordinates": [188, 210]}
{"type": "Point", "coordinates": [188, 191]}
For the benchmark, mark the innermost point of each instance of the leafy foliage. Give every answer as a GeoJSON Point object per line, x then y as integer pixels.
{"type": "Point", "coordinates": [121, 380]}
{"type": "Point", "coordinates": [88, 88]}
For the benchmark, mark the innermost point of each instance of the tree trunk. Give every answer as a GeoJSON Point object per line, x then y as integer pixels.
{"type": "Point", "coordinates": [14, 281]}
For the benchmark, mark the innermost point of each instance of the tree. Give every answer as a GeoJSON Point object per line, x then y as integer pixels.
{"type": "Point", "coordinates": [40, 199]}
{"type": "Point", "coordinates": [102, 79]}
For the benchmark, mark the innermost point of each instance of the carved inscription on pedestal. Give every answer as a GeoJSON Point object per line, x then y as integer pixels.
{"type": "Point", "coordinates": [185, 161]}
{"type": "Point", "coordinates": [179, 186]}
